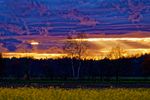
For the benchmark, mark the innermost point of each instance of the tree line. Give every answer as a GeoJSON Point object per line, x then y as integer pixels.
{"type": "Point", "coordinates": [28, 68]}
{"type": "Point", "coordinates": [75, 67]}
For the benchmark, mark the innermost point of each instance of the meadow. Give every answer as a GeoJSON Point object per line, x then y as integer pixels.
{"type": "Point", "coordinates": [27, 93]}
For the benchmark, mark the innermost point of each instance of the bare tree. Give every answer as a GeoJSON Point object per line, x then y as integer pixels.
{"type": "Point", "coordinates": [76, 48]}
{"type": "Point", "coordinates": [116, 53]}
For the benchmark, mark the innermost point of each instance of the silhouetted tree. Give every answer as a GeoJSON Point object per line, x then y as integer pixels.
{"type": "Point", "coordinates": [60, 68]}
{"type": "Point", "coordinates": [146, 65]}
{"type": "Point", "coordinates": [76, 48]}
{"type": "Point", "coordinates": [27, 64]}
{"type": "Point", "coordinates": [116, 53]}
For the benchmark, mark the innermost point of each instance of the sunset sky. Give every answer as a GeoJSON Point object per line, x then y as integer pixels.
{"type": "Point", "coordinates": [48, 22]}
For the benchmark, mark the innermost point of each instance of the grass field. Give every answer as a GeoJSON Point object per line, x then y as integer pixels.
{"type": "Point", "coordinates": [74, 94]}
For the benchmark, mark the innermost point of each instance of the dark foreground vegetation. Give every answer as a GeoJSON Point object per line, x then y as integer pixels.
{"type": "Point", "coordinates": [86, 72]}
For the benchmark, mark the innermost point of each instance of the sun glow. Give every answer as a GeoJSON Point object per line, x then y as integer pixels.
{"type": "Point", "coordinates": [33, 55]}
{"type": "Point", "coordinates": [132, 46]}
{"type": "Point", "coordinates": [34, 43]}
{"type": "Point", "coordinates": [99, 49]}
{"type": "Point", "coordinates": [114, 39]}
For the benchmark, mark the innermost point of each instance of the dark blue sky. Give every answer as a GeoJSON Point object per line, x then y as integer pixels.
{"type": "Point", "coordinates": [53, 17]}
{"type": "Point", "coordinates": [60, 17]}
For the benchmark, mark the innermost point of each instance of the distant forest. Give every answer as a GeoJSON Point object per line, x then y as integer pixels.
{"type": "Point", "coordinates": [66, 68]}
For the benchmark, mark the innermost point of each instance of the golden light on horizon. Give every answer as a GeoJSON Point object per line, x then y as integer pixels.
{"type": "Point", "coordinates": [114, 39]}
{"type": "Point", "coordinates": [133, 46]}
{"type": "Point", "coordinates": [99, 49]}
{"type": "Point", "coordinates": [103, 54]}
{"type": "Point", "coordinates": [33, 55]}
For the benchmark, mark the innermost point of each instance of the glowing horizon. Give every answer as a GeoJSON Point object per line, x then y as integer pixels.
{"type": "Point", "coordinates": [99, 47]}
{"type": "Point", "coordinates": [114, 39]}
{"type": "Point", "coordinates": [41, 26]}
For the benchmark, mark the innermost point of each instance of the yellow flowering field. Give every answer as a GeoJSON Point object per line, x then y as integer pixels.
{"type": "Point", "coordinates": [74, 94]}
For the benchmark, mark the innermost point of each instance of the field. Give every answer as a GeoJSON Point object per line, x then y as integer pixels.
{"type": "Point", "coordinates": [74, 94]}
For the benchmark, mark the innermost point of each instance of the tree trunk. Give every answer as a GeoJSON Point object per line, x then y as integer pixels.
{"type": "Point", "coordinates": [73, 74]}
{"type": "Point", "coordinates": [78, 73]}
